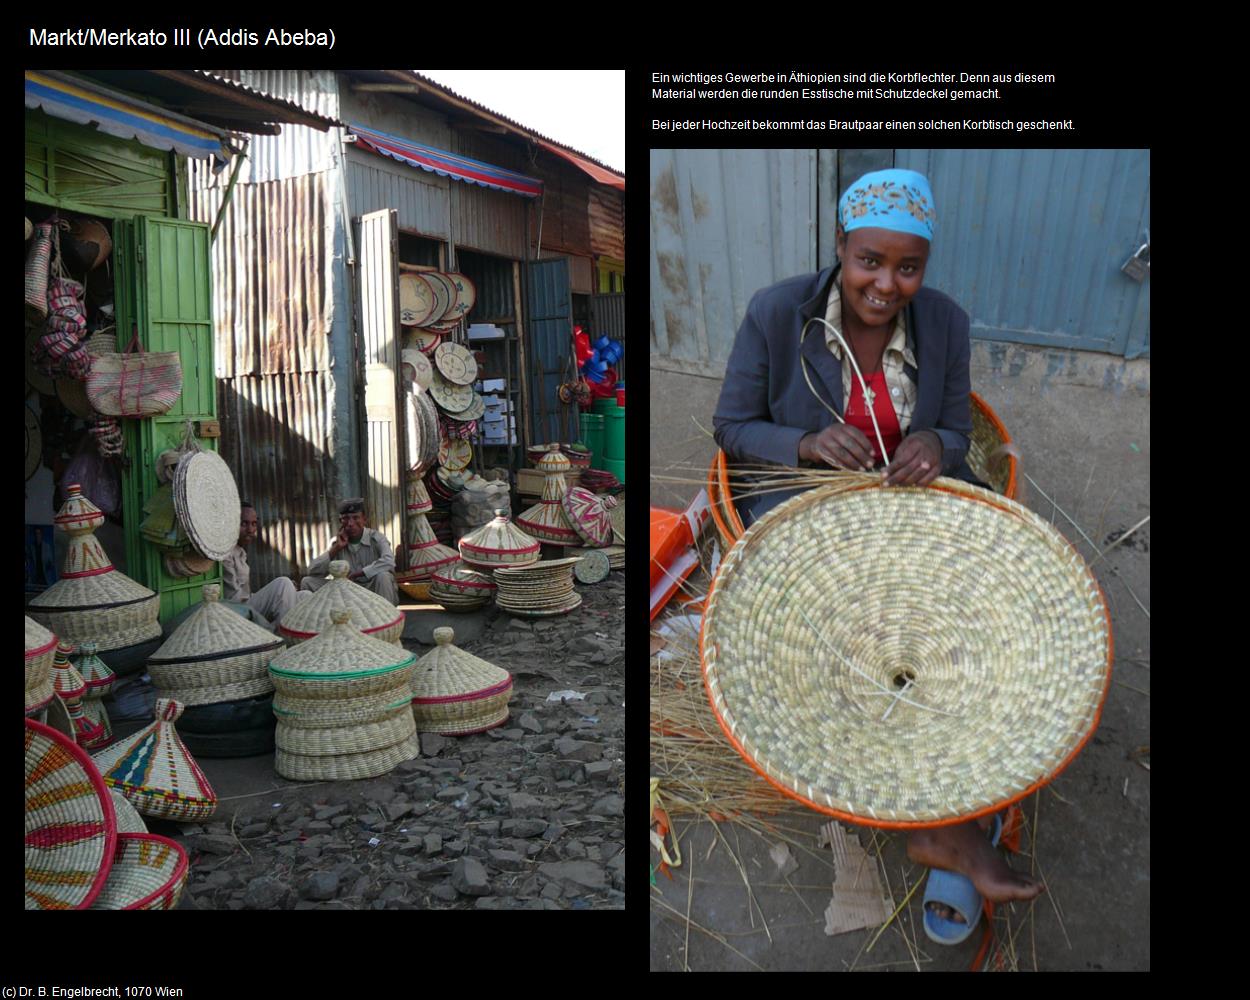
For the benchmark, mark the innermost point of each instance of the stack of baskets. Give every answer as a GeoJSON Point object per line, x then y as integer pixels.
{"type": "Point", "coordinates": [99, 679]}
{"type": "Point", "coordinates": [455, 693]}
{"type": "Point", "coordinates": [70, 688]}
{"type": "Point", "coordinates": [342, 705]}
{"type": "Point", "coordinates": [547, 520]}
{"type": "Point", "coordinates": [539, 590]}
{"type": "Point", "coordinates": [40, 651]}
{"type": "Point", "coordinates": [92, 601]}
{"type": "Point", "coordinates": [375, 616]}
{"type": "Point", "coordinates": [156, 773]}
{"type": "Point", "coordinates": [425, 552]}
{"type": "Point", "coordinates": [459, 587]}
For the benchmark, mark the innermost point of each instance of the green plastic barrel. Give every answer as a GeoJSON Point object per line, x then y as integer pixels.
{"type": "Point", "coordinates": [616, 468]}
{"type": "Point", "coordinates": [604, 404]}
{"type": "Point", "coordinates": [592, 437]}
{"type": "Point", "coordinates": [614, 434]}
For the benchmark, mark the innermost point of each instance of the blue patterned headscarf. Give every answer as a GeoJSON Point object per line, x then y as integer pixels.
{"type": "Point", "coordinates": [900, 200]}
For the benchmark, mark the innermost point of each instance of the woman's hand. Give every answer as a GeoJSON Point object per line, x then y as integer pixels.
{"type": "Point", "coordinates": [839, 445]}
{"type": "Point", "coordinates": [917, 460]}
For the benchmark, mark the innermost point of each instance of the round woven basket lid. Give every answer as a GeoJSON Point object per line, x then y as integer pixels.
{"type": "Point", "coordinates": [499, 541]}
{"type": "Point", "coordinates": [40, 643]}
{"type": "Point", "coordinates": [906, 657]}
{"type": "Point", "coordinates": [444, 296]}
{"type": "Point", "coordinates": [368, 611]}
{"type": "Point", "coordinates": [448, 673]}
{"type": "Point", "coordinates": [71, 826]}
{"type": "Point", "coordinates": [428, 413]}
{"type": "Point", "coordinates": [474, 411]}
{"type": "Point", "coordinates": [452, 398]}
{"type": "Point", "coordinates": [340, 652]}
{"type": "Point", "coordinates": [156, 773]}
{"type": "Point", "coordinates": [455, 454]}
{"type": "Point", "coordinates": [34, 443]}
{"type": "Point", "coordinates": [422, 370]}
{"type": "Point", "coordinates": [207, 500]}
{"type": "Point", "coordinates": [148, 873]}
{"type": "Point", "coordinates": [214, 632]}
{"type": "Point", "coordinates": [456, 363]}
{"type": "Point", "coordinates": [426, 340]}
{"type": "Point", "coordinates": [466, 295]}
{"type": "Point", "coordinates": [593, 567]}
{"type": "Point", "coordinates": [416, 299]}
{"type": "Point", "coordinates": [588, 514]}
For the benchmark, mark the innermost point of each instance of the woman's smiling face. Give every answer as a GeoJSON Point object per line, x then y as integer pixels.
{"type": "Point", "coordinates": [882, 270]}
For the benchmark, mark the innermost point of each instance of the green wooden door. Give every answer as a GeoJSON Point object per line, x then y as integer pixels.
{"type": "Point", "coordinates": [164, 289]}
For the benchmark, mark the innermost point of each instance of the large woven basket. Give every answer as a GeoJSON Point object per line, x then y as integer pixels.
{"type": "Point", "coordinates": [71, 828]}
{"type": "Point", "coordinates": [148, 873]}
{"type": "Point", "coordinates": [156, 772]}
{"type": "Point", "coordinates": [846, 600]}
{"type": "Point", "coordinates": [499, 543]}
{"type": "Point", "coordinates": [92, 601]}
{"type": "Point", "coordinates": [345, 767]}
{"type": "Point", "coordinates": [589, 515]}
{"type": "Point", "coordinates": [375, 616]}
{"type": "Point", "coordinates": [40, 652]}
{"type": "Point", "coordinates": [456, 693]}
{"type": "Point", "coordinates": [215, 655]}
{"type": "Point", "coordinates": [135, 383]}
{"type": "Point", "coordinates": [425, 552]}
{"type": "Point", "coordinates": [341, 662]}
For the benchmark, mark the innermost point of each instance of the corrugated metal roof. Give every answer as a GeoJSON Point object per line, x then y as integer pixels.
{"type": "Point", "coordinates": [314, 90]}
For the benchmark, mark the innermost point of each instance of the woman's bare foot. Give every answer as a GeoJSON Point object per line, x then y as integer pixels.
{"type": "Point", "coordinates": [966, 849]}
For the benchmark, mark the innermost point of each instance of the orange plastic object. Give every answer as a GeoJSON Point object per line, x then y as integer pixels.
{"type": "Point", "coordinates": [673, 557]}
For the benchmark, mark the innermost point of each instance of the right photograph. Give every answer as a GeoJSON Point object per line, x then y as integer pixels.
{"type": "Point", "coordinates": [899, 559]}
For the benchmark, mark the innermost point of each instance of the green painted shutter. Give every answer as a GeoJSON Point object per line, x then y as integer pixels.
{"type": "Point", "coordinates": [166, 290]}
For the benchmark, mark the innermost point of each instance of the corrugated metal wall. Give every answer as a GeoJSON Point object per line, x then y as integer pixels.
{"type": "Point", "coordinates": [724, 224]}
{"type": "Point", "coordinates": [1031, 241]}
{"type": "Point", "coordinates": [606, 209]}
{"type": "Point", "coordinates": [273, 303]}
{"type": "Point", "coordinates": [374, 182]}
{"type": "Point", "coordinates": [608, 312]}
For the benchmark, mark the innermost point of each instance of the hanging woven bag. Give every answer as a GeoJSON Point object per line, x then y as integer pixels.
{"type": "Point", "coordinates": [136, 383]}
{"type": "Point", "coordinates": [38, 259]}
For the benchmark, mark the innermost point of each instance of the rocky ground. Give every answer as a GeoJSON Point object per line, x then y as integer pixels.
{"type": "Point", "coordinates": [526, 816]}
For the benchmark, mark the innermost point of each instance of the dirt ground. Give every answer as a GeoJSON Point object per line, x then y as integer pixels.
{"type": "Point", "coordinates": [525, 816]}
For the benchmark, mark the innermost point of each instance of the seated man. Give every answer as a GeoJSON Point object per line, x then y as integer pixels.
{"type": "Point", "coordinates": [368, 552]}
{"type": "Point", "coordinates": [275, 598]}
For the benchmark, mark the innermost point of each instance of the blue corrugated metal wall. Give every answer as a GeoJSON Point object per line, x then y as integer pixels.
{"type": "Point", "coordinates": [548, 345]}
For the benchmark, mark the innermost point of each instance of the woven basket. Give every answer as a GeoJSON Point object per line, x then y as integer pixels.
{"type": "Point", "coordinates": [546, 520]}
{"type": "Point", "coordinates": [97, 716]}
{"type": "Point", "coordinates": [456, 693]}
{"type": "Point", "coordinates": [135, 383]}
{"type": "Point", "coordinates": [214, 655]}
{"type": "Point", "coordinates": [963, 602]}
{"type": "Point", "coordinates": [71, 828]}
{"type": "Point", "coordinates": [148, 873]}
{"type": "Point", "coordinates": [418, 496]}
{"type": "Point", "coordinates": [339, 711]}
{"type": "Point", "coordinates": [345, 767]}
{"type": "Point", "coordinates": [156, 773]}
{"type": "Point", "coordinates": [97, 674]}
{"type": "Point", "coordinates": [38, 258]}
{"type": "Point", "coordinates": [991, 456]}
{"type": "Point", "coordinates": [128, 821]}
{"type": "Point", "coordinates": [615, 554]}
{"type": "Point", "coordinates": [589, 515]}
{"type": "Point", "coordinates": [40, 653]}
{"type": "Point", "coordinates": [499, 543]}
{"type": "Point", "coordinates": [356, 737]}
{"type": "Point", "coordinates": [93, 602]}
{"type": "Point", "coordinates": [375, 616]}
{"type": "Point", "coordinates": [341, 662]}
{"type": "Point", "coordinates": [206, 499]}
{"type": "Point", "coordinates": [425, 552]}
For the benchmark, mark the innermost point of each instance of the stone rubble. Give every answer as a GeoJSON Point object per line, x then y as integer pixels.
{"type": "Point", "coordinates": [529, 815]}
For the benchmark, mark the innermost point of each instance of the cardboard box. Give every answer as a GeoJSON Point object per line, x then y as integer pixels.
{"type": "Point", "coordinates": [485, 331]}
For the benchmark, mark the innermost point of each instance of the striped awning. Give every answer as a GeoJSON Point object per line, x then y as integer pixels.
{"type": "Point", "coordinates": [445, 164]}
{"type": "Point", "coordinates": [123, 116]}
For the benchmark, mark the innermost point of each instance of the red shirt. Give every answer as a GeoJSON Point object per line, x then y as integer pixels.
{"type": "Point", "coordinates": [857, 414]}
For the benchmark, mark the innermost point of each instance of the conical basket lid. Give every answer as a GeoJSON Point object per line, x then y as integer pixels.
{"type": "Point", "coordinates": [66, 681]}
{"type": "Point", "coordinates": [156, 773]}
{"type": "Point", "coordinates": [340, 652]}
{"type": "Point", "coordinates": [213, 632]}
{"type": "Point", "coordinates": [499, 541]}
{"type": "Point", "coordinates": [369, 612]}
{"type": "Point", "coordinates": [449, 673]}
{"type": "Point", "coordinates": [588, 514]}
{"type": "Point", "coordinates": [95, 671]}
{"type": "Point", "coordinates": [548, 522]}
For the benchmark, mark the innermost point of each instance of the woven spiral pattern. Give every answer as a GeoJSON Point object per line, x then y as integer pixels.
{"type": "Point", "coordinates": [71, 828]}
{"type": "Point", "coordinates": [345, 767]}
{"type": "Point", "coordinates": [128, 821]}
{"type": "Point", "coordinates": [984, 608]}
{"type": "Point", "coordinates": [149, 873]}
{"type": "Point", "coordinates": [206, 498]}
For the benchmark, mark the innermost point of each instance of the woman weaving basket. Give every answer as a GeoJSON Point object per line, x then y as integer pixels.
{"type": "Point", "coordinates": [782, 403]}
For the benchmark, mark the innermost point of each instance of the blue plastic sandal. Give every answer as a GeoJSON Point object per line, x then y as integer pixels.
{"type": "Point", "coordinates": [957, 892]}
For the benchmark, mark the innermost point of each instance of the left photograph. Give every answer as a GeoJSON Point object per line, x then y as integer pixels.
{"type": "Point", "coordinates": [325, 389]}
